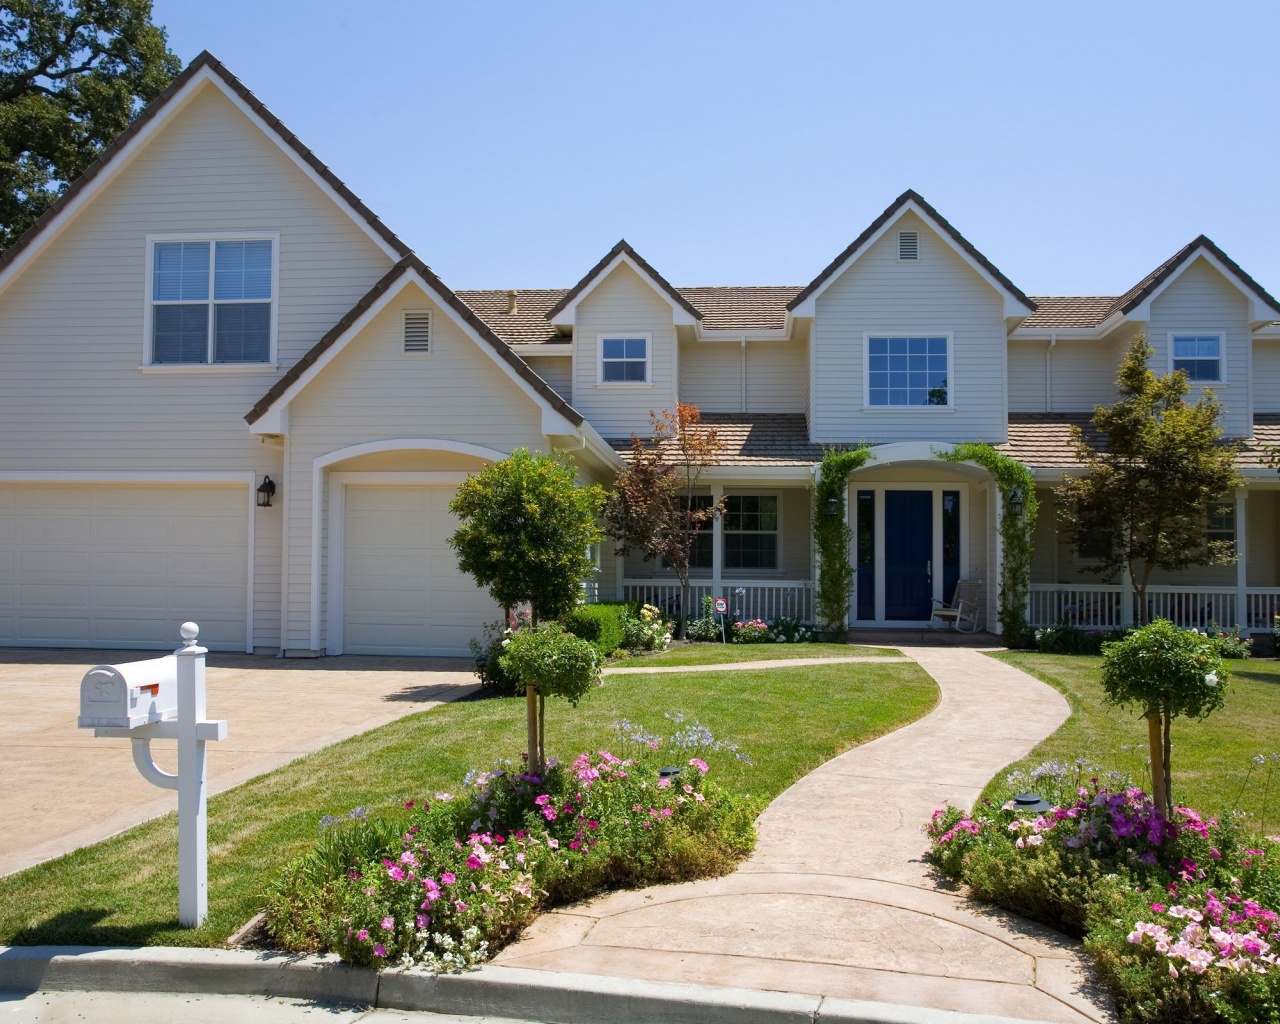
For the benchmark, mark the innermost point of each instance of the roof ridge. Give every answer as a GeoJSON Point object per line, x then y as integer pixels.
{"type": "Point", "coordinates": [622, 246]}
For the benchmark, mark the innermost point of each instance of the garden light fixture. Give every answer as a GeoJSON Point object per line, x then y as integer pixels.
{"type": "Point", "coordinates": [265, 490]}
{"type": "Point", "coordinates": [668, 772]}
{"type": "Point", "coordinates": [1029, 802]}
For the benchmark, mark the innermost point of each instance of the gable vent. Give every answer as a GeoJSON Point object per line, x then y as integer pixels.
{"type": "Point", "coordinates": [908, 246]}
{"type": "Point", "coordinates": [417, 331]}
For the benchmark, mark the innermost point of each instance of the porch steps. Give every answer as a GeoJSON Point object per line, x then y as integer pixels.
{"type": "Point", "coordinates": [923, 638]}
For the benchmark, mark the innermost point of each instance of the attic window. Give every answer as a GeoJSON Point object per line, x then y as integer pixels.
{"type": "Point", "coordinates": [908, 246]}
{"type": "Point", "coordinates": [417, 330]}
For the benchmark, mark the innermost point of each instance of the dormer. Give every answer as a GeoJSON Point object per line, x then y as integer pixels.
{"type": "Point", "coordinates": [623, 317]}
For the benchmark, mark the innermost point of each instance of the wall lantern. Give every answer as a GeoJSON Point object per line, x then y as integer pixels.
{"type": "Point", "coordinates": [1015, 503]}
{"type": "Point", "coordinates": [265, 490]}
{"type": "Point", "coordinates": [833, 506]}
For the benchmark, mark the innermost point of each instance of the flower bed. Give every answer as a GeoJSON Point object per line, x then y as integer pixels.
{"type": "Point", "coordinates": [445, 883]}
{"type": "Point", "coordinates": [1179, 914]}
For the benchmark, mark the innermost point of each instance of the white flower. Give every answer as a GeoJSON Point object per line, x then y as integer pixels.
{"type": "Point", "coordinates": [1211, 679]}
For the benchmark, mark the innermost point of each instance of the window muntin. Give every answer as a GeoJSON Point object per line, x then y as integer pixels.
{"type": "Point", "coordinates": [702, 551]}
{"type": "Point", "coordinates": [624, 360]}
{"type": "Point", "coordinates": [1200, 355]}
{"type": "Point", "coordinates": [907, 372]}
{"type": "Point", "coordinates": [211, 301]}
{"type": "Point", "coordinates": [1220, 523]}
{"type": "Point", "coordinates": [751, 531]}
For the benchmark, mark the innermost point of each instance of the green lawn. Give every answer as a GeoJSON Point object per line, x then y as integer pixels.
{"type": "Point", "coordinates": [1210, 758]}
{"type": "Point", "coordinates": [124, 891]}
{"type": "Point", "coordinates": [724, 654]}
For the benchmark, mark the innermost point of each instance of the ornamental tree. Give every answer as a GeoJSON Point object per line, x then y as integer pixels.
{"type": "Point", "coordinates": [654, 507]}
{"type": "Point", "coordinates": [551, 663]}
{"type": "Point", "coordinates": [525, 531]}
{"type": "Point", "coordinates": [73, 74]}
{"type": "Point", "coordinates": [1147, 490]}
{"type": "Point", "coordinates": [1167, 673]}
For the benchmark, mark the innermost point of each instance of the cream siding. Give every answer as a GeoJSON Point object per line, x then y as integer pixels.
{"type": "Point", "coordinates": [1266, 375]}
{"type": "Point", "coordinates": [1200, 298]}
{"type": "Point", "coordinates": [372, 391]}
{"type": "Point", "coordinates": [1027, 376]}
{"type": "Point", "coordinates": [556, 371]}
{"type": "Point", "coordinates": [71, 326]}
{"type": "Point", "coordinates": [711, 375]}
{"type": "Point", "coordinates": [777, 375]}
{"type": "Point", "coordinates": [623, 304]}
{"type": "Point", "coordinates": [1084, 375]}
{"type": "Point", "coordinates": [940, 293]}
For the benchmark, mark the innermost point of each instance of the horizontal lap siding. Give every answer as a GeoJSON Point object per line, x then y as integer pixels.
{"type": "Point", "coordinates": [1084, 375]}
{"type": "Point", "coordinates": [558, 372]}
{"type": "Point", "coordinates": [1202, 299]}
{"type": "Point", "coordinates": [938, 293]}
{"type": "Point", "coordinates": [1266, 375]}
{"type": "Point", "coordinates": [372, 391]}
{"type": "Point", "coordinates": [777, 376]}
{"type": "Point", "coordinates": [1026, 376]}
{"type": "Point", "coordinates": [711, 375]}
{"type": "Point", "coordinates": [623, 303]}
{"type": "Point", "coordinates": [71, 327]}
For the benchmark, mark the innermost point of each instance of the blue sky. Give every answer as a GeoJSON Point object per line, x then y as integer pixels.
{"type": "Point", "coordinates": [1078, 145]}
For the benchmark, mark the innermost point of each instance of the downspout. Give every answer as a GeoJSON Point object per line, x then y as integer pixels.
{"type": "Point", "coordinates": [743, 373]}
{"type": "Point", "coordinates": [1048, 372]}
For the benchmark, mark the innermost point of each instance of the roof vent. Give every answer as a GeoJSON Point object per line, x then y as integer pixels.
{"type": "Point", "coordinates": [908, 246]}
{"type": "Point", "coordinates": [417, 330]}
{"type": "Point", "coordinates": [513, 303]}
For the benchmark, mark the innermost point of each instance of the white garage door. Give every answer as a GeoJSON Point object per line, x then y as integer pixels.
{"type": "Point", "coordinates": [402, 590]}
{"type": "Point", "coordinates": [88, 565]}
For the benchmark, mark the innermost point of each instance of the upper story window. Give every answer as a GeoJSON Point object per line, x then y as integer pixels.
{"type": "Point", "coordinates": [211, 301]}
{"type": "Point", "coordinates": [1200, 355]}
{"type": "Point", "coordinates": [624, 359]}
{"type": "Point", "coordinates": [908, 372]}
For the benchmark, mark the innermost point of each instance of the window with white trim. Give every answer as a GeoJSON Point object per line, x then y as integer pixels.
{"type": "Point", "coordinates": [908, 372]}
{"type": "Point", "coordinates": [1199, 355]}
{"type": "Point", "coordinates": [211, 301]}
{"type": "Point", "coordinates": [701, 550]}
{"type": "Point", "coordinates": [1220, 523]}
{"type": "Point", "coordinates": [751, 531]}
{"type": "Point", "coordinates": [624, 360]}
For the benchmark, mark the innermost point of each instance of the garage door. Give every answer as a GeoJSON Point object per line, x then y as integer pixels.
{"type": "Point", "coordinates": [402, 590]}
{"type": "Point", "coordinates": [122, 566]}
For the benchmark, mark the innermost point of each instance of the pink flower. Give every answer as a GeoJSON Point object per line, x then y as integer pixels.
{"type": "Point", "coordinates": [448, 878]}
{"type": "Point", "coordinates": [408, 805]}
{"type": "Point", "coordinates": [388, 924]}
{"type": "Point", "coordinates": [575, 845]}
{"type": "Point", "coordinates": [474, 863]}
{"type": "Point", "coordinates": [542, 799]}
{"type": "Point", "coordinates": [666, 812]}
{"type": "Point", "coordinates": [396, 873]}
{"type": "Point", "coordinates": [408, 858]}
{"type": "Point", "coordinates": [593, 824]}
{"type": "Point", "coordinates": [1157, 908]}
{"type": "Point", "coordinates": [422, 921]}
{"type": "Point", "coordinates": [549, 813]}
{"type": "Point", "coordinates": [363, 935]}
{"type": "Point", "coordinates": [379, 949]}
{"type": "Point", "coordinates": [553, 843]}
{"type": "Point", "coordinates": [459, 906]}
{"type": "Point", "coordinates": [700, 764]}
{"type": "Point", "coordinates": [664, 783]}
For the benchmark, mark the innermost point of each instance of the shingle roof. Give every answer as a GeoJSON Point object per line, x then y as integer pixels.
{"type": "Point", "coordinates": [743, 307]}
{"type": "Point", "coordinates": [910, 196]}
{"type": "Point", "coordinates": [204, 60]}
{"type": "Point", "coordinates": [1065, 311]}
{"type": "Point", "coordinates": [528, 324]}
{"type": "Point", "coordinates": [756, 439]}
{"type": "Point", "coordinates": [1134, 297]}
{"type": "Point", "coordinates": [413, 263]}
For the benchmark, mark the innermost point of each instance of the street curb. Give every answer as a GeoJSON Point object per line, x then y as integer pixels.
{"type": "Point", "coordinates": [511, 992]}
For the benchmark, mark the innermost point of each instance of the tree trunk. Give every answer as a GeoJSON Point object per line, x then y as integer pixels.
{"type": "Point", "coordinates": [542, 733]}
{"type": "Point", "coordinates": [531, 729]}
{"type": "Point", "coordinates": [682, 613]}
{"type": "Point", "coordinates": [1168, 766]}
{"type": "Point", "coordinates": [1155, 739]}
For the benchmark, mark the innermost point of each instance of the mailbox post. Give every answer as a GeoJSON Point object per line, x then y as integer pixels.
{"type": "Point", "coordinates": [164, 698]}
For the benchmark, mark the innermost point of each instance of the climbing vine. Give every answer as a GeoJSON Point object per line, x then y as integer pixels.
{"type": "Point", "coordinates": [832, 535]}
{"type": "Point", "coordinates": [1015, 532]}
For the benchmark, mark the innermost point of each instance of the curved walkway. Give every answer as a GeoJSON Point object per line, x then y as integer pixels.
{"type": "Point", "coordinates": [836, 900]}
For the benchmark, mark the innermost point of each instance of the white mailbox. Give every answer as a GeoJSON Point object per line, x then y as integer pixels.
{"type": "Point", "coordinates": [163, 699]}
{"type": "Point", "coordinates": [129, 695]}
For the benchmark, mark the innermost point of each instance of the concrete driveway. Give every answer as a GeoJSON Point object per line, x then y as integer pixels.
{"type": "Point", "coordinates": [60, 788]}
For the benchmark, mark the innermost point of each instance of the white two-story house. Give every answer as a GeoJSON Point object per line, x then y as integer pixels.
{"type": "Point", "coordinates": [230, 393]}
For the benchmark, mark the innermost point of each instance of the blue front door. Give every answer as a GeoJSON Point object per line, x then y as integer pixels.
{"type": "Point", "coordinates": [908, 554]}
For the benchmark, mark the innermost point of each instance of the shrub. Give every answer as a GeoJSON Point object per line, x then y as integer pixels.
{"type": "Point", "coordinates": [599, 624]}
{"type": "Point", "coordinates": [1178, 913]}
{"type": "Point", "coordinates": [553, 662]}
{"type": "Point", "coordinates": [1229, 642]}
{"type": "Point", "coordinates": [487, 653]}
{"type": "Point", "coordinates": [753, 631]}
{"type": "Point", "coordinates": [646, 631]}
{"type": "Point", "coordinates": [444, 885]}
{"type": "Point", "coordinates": [786, 630]}
{"type": "Point", "coordinates": [707, 627]}
{"type": "Point", "coordinates": [1068, 639]}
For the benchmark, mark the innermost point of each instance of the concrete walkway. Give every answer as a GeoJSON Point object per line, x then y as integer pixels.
{"type": "Point", "coordinates": [61, 788]}
{"type": "Point", "coordinates": [836, 900]}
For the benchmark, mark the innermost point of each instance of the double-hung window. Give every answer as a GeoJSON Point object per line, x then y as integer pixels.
{"type": "Point", "coordinates": [701, 548]}
{"type": "Point", "coordinates": [1220, 525]}
{"type": "Point", "coordinates": [751, 531]}
{"type": "Point", "coordinates": [908, 372]}
{"type": "Point", "coordinates": [211, 301]}
{"type": "Point", "coordinates": [1199, 355]}
{"type": "Point", "coordinates": [624, 359]}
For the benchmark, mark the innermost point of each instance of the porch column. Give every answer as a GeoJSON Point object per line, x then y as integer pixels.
{"type": "Point", "coordinates": [997, 583]}
{"type": "Point", "coordinates": [1242, 559]}
{"type": "Point", "coordinates": [619, 569]}
{"type": "Point", "coordinates": [717, 542]}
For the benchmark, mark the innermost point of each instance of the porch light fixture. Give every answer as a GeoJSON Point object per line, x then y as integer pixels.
{"type": "Point", "coordinates": [1016, 503]}
{"type": "Point", "coordinates": [265, 490]}
{"type": "Point", "coordinates": [833, 506]}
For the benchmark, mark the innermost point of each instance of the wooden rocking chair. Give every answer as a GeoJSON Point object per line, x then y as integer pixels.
{"type": "Point", "coordinates": [964, 611]}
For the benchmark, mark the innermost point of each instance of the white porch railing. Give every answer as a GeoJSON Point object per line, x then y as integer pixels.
{"type": "Point", "coordinates": [1100, 606]}
{"type": "Point", "coordinates": [748, 599]}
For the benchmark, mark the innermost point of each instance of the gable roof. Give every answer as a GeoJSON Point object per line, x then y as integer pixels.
{"type": "Point", "coordinates": [911, 197]}
{"type": "Point", "coordinates": [623, 249]}
{"type": "Point", "coordinates": [1136, 295]}
{"type": "Point", "coordinates": [412, 264]}
{"type": "Point", "coordinates": [209, 64]}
